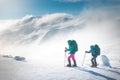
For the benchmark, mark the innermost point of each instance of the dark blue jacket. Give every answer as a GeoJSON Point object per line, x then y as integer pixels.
{"type": "Point", "coordinates": [92, 50]}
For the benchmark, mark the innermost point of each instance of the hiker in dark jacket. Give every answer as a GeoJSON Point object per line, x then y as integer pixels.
{"type": "Point", "coordinates": [72, 51]}
{"type": "Point", "coordinates": [94, 53]}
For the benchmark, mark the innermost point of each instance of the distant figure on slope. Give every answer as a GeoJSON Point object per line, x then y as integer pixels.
{"type": "Point", "coordinates": [72, 50]}
{"type": "Point", "coordinates": [95, 51]}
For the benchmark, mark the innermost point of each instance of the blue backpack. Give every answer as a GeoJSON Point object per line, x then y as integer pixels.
{"type": "Point", "coordinates": [97, 50]}
{"type": "Point", "coordinates": [75, 45]}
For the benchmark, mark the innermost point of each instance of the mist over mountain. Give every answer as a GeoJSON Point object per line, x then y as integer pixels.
{"type": "Point", "coordinates": [31, 28]}
{"type": "Point", "coordinates": [90, 27]}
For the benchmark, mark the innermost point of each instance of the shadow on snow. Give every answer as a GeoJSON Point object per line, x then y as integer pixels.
{"type": "Point", "coordinates": [110, 70]}
{"type": "Point", "coordinates": [94, 73]}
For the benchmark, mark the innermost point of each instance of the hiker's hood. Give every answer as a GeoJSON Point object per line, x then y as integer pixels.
{"type": "Point", "coordinates": [92, 46]}
{"type": "Point", "coordinates": [69, 42]}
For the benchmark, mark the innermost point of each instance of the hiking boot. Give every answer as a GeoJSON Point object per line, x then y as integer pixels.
{"type": "Point", "coordinates": [74, 65]}
{"type": "Point", "coordinates": [95, 66]}
{"type": "Point", "coordinates": [68, 65]}
{"type": "Point", "coordinates": [92, 66]}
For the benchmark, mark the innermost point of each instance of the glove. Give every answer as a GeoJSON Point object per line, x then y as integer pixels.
{"type": "Point", "coordinates": [66, 49]}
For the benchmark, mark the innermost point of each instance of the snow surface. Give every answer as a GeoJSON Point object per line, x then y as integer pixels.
{"type": "Point", "coordinates": [41, 40]}
{"type": "Point", "coordinates": [11, 69]}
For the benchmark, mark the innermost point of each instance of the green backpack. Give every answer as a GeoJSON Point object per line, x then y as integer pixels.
{"type": "Point", "coordinates": [75, 45]}
{"type": "Point", "coordinates": [97, 50]}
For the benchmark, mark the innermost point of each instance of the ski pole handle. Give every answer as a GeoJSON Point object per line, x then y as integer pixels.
{"type": "Point", "coordinates": [84, 59]}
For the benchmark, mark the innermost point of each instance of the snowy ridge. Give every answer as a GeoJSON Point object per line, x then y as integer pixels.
{"type": "Point", "coordinates": [31, 28]}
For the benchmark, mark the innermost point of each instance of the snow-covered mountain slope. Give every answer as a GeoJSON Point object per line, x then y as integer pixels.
{"type": "Point", "coordinates": [86, 29]}
{"type": "Point", "coordinates": [30, 28]}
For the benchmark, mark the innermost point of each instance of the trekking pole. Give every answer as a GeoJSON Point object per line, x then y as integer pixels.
{"type": "Point", "coordinates": [83, 59]}
{"type": "Point", "coordinates": [65, 57]}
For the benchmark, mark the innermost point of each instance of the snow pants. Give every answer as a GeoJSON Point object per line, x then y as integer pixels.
{"type": "Point", "coordinates": [71, 56]}
{"type": "Point", "coordinates": [93, 61]}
